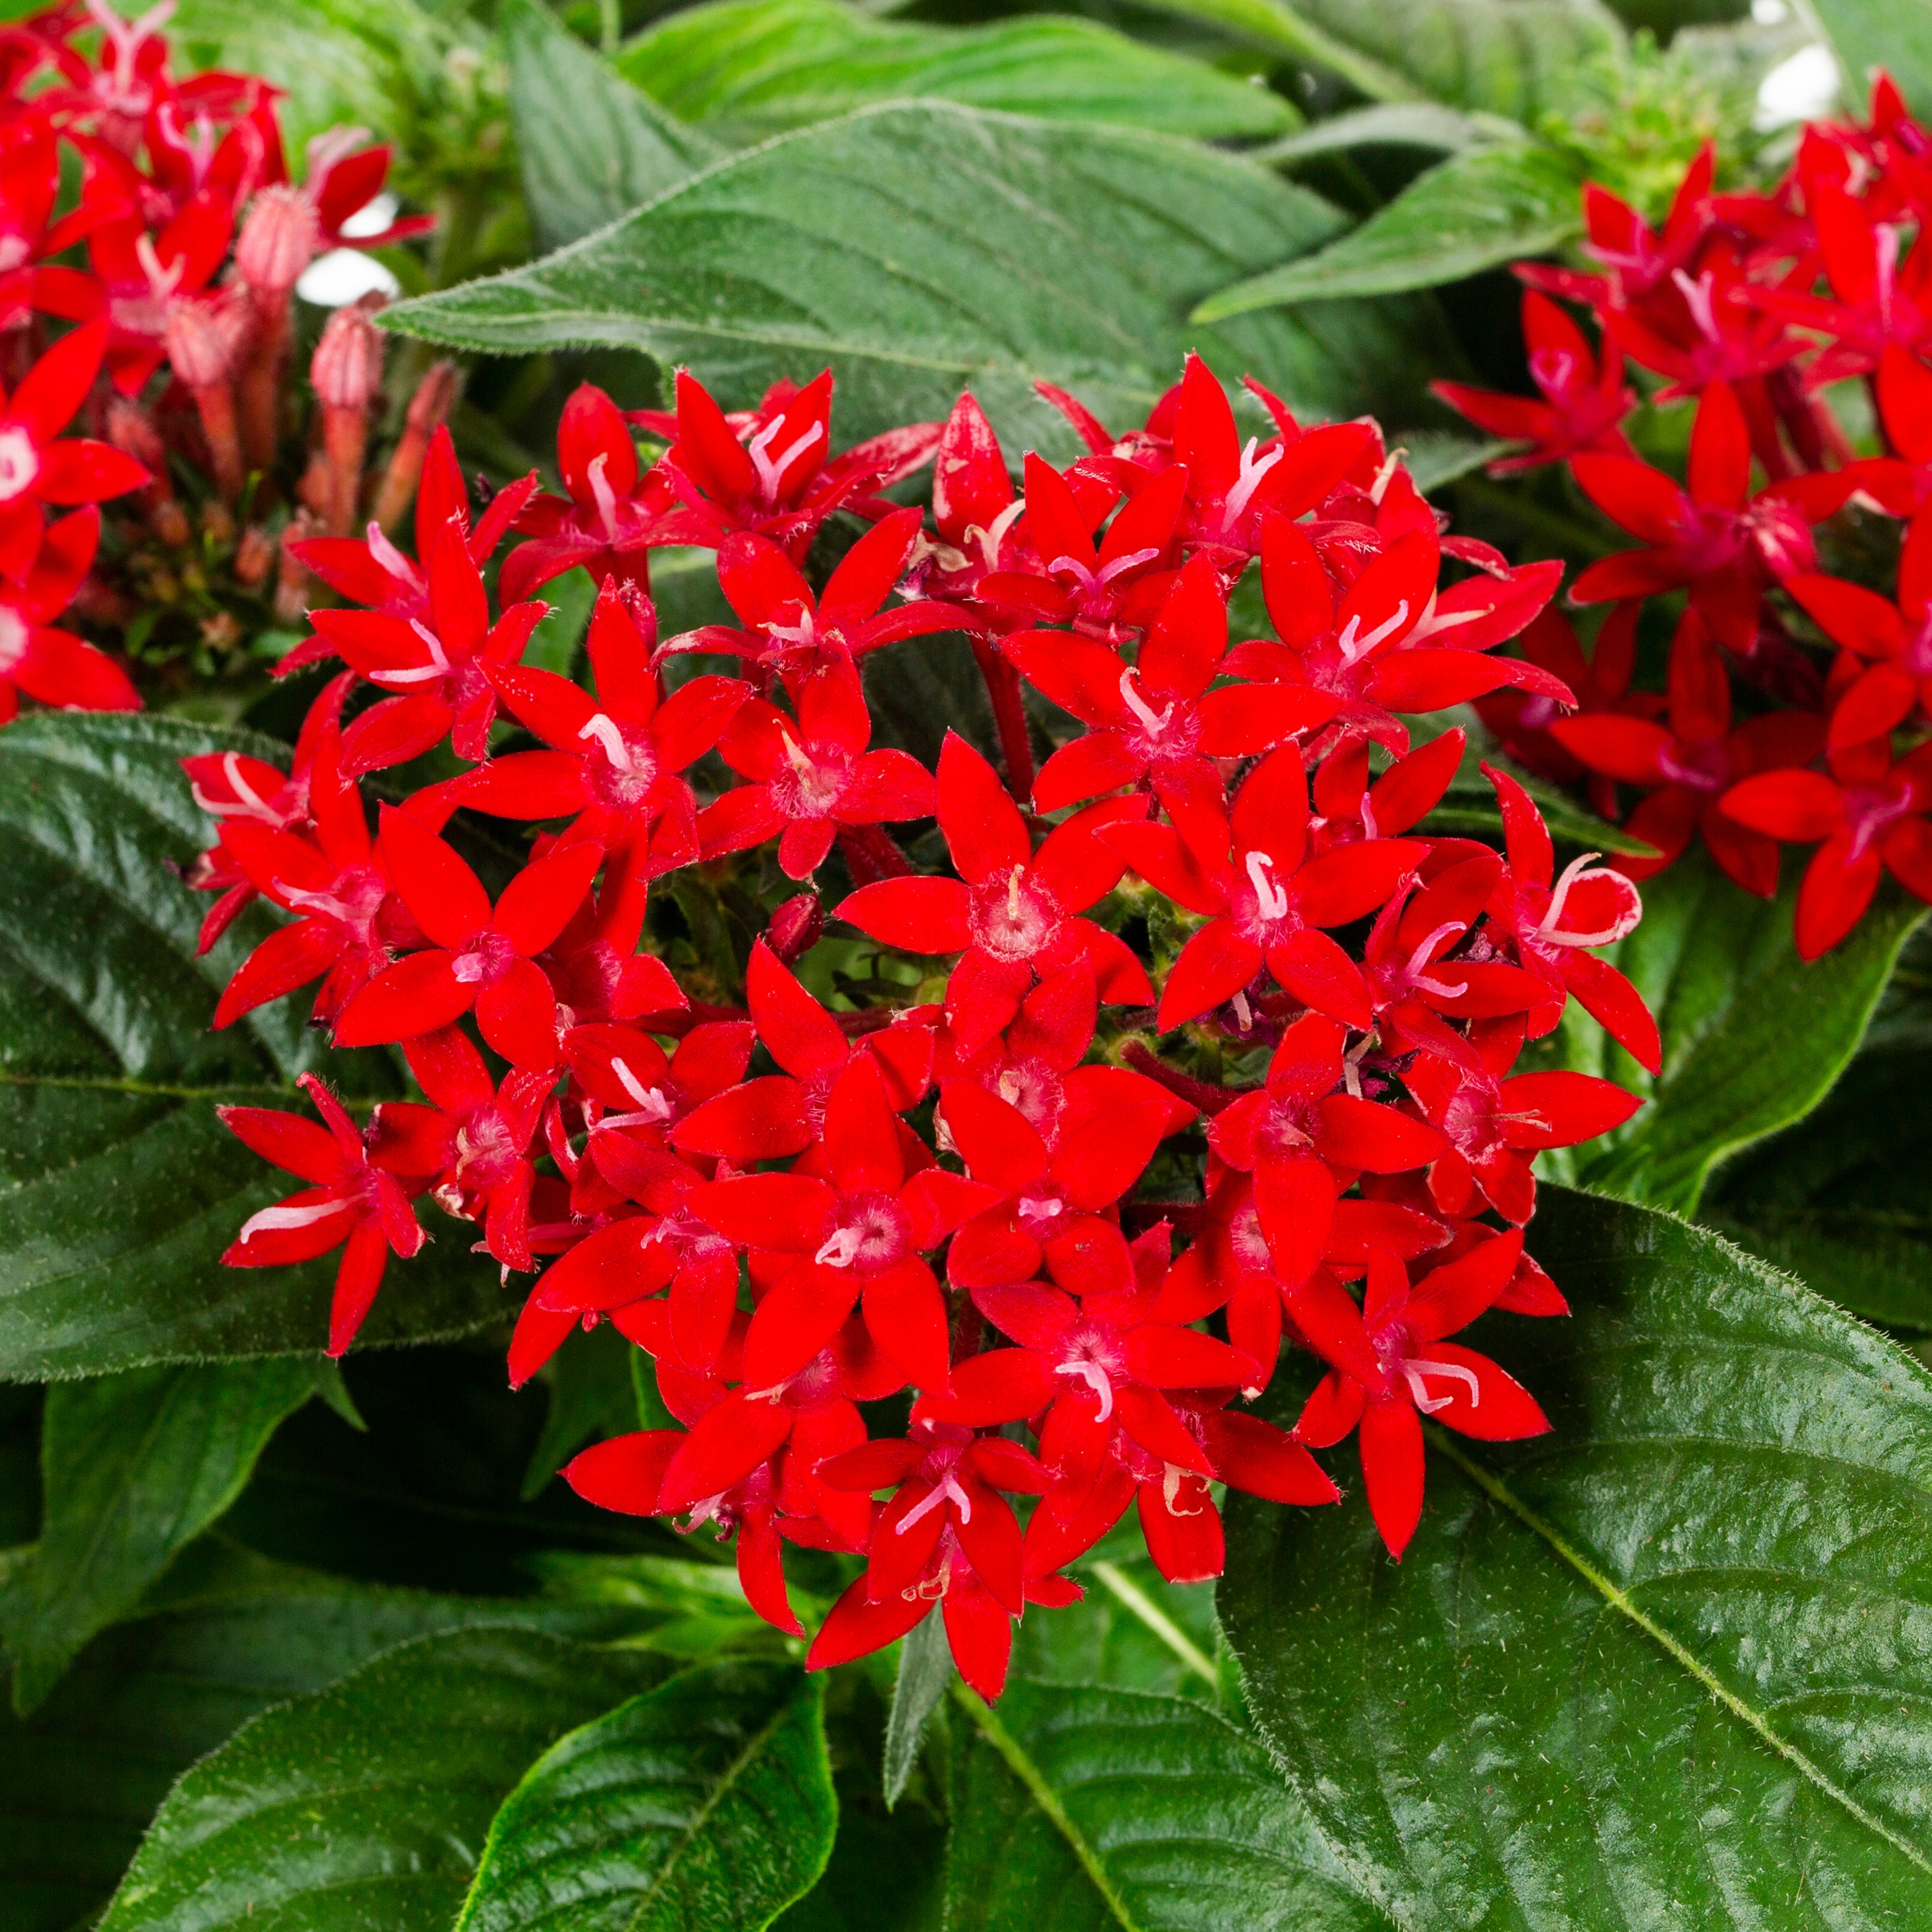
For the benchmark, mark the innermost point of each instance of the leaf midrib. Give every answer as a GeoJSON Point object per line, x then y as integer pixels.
{"type": "Point", "coordinates": [1499, 1492]}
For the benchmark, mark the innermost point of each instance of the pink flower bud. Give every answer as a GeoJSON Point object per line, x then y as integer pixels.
{"type": "Point", "coordinates": [204, 339]}
{"type": "Point", "coordinates": [130, 427]}
{"type": "Point", "coordinates": [347, 370]}
{"type": "Point", "coordinates": [796, 927]}
{"type": "Point", "coordinates": [278, 241]}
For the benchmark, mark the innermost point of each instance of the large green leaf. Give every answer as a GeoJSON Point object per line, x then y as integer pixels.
{"type": "Point", "coordinates": [366, 1805]}
{"type": "Point", "coordinates": [1078, 1808]}
{"type": "Point", "coordinates": [226, 1635]}
{"type": "Point", "coordinates": [755, 66]}
{"type": "Point", "coordinates": [1869, 34]}
{"type": "Point", "coordinates": [1753, 1037]}
{"type": "Point", "coordinates": [119, 1188]}
{"type": "Point", "coordinates": [703, 1805]}
{"type": "Point", "coordinates": [1419, 124]}
{"type": "Point", "coordinates": [918, 248]}
{"type": "Point", "coordinates": [1512, 57]}
{"type": "Point", "coordinates": [1475, 211]}
{"type": "Point", "coordinates": [1841, 1199]}
{"type": "Point", "coordinates": [133, 1467]}
{"type": "Point", "coordinates": [591, 147]}
{"type": "Point", "coordinates": [1669, 1666]}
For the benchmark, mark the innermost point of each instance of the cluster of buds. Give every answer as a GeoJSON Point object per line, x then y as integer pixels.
{"type": "Point", "coordinates": [1796, 706]}
{"type": "Point", "coordinates": [1004, 1176]}
{"type": "Point", "coordinates": [173, 278]}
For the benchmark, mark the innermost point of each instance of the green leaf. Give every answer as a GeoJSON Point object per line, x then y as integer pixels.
{"type": "Point", "coordinates": [759, 66]}
{"type": "Point", "coordinates": [366, 1805]}
{"type": "Point", "coordinates": [1475, 211]}
{"type": "Point", "coordinates": [917, 248]}
{"type": "Point", "coordinates": [1866, 35]}
{"type": "Point", "coordinates": [133, 1467]}
{"type": "Point", "coordinates": [1667, 1666]}
{"type": "Point", "coordinates": [1130, 1810]}
{"type": "Point", "coordinates": [591, 148]}
{"type": "Point", "coordinates": [1133, 1631]}
{"type": "Point", "coordinates": [1424, 124]}
{"type": "Point", "coordinates": [703, 1805]}
{"type": "Point", "coordinates": [225, 1635]}
{"type": "Point", "coordinates": [926, 1672]}
{"type": "Point", "coordinates": [589, 1395]}
{"type": "Point", "coordinates": [1753, 1037]}
{"type": "Point", "coordinates": [1469, 807]}
{"type": "Point", "coordinates": [1514, 57]}
{"type": "Point", "coordinates": [119, 1189]}
{"type": "Point", "coordinates": [1840, 1200]}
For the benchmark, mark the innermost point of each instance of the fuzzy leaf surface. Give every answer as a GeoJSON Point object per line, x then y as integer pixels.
{"type": "Point", "coordinates": [915, 248]}
{"type": "Point", "coordinates": [755, 66]}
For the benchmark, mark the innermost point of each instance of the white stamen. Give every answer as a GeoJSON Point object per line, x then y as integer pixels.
{"type": "Point", "coordinates": [324, 902]}
{"type": "Point", "coordinates": [1699, 299]}
{"type": "Point", "coordinates": [1414, 1368]}
{"type": "Point", "coordinates": [1353, 648]}
{"type": "Point", "coordinates": [948, 1491]}
{"type": "Point", "coordinates": [1153, 722]}
{"type": "Point", "coordinates": [468, 968]}
{"type": "Point", "coordinates": [1368, 823]}
{"type": "Point", "coordinates": [438, 666]}
{"type": "Point", "coordinates": [1244, 1013]}
{"type": "Point", "coordinates": [994, 534]}
{"type": "Point", "coordinates": [1248, 481]}
{"type": "Point", "coordinates": [1271, 900]}
{"type": "Point", "coordinates": [841, 1250]}
{"type": "Point", "coordinates": [772, 474]}
{"type": "Point", "coordinates": [1095, 1376]}
{"type": "Point", "coordinates": [651, 1103]}
{"type": "Point", "coordinates": [271, 1218]}
{"type": "Point", "coordinates": [604, 728]}
{"type": "Point", "coordinates": [392, 559]}
{"type": "Point", "coordinates": [1551, 928]}
{"type": "Point", "coordinates": [601, 490]}
{"type": "Point", "coordinates": [1419, 957]}
{"type": "Point", "coordinates": [1391, 464]}
{"type": "Point", "coordinates": [1040, 1208]}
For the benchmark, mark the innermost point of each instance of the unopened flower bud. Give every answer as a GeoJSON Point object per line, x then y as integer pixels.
{"type": "Point", "coordinates": [347, 370]}
{"type": "Point", "coordinates": [130, 427]}
{"type": "Point", "coordinates": [204, 340]}
{"type": "Point", "coordinates": [254, 557]}
{"type": "Point", "coordinates": [796, 927]}
{"type": "Point", "coordinates": [278, 241]}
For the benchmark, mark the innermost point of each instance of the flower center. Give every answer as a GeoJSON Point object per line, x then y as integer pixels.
{"type": "Point", "coordinates": [19, 462]}
{"type": "Point", "coordinates": [487, 1152]}
{"type": "Point", "coordinates": [485, 958]}
{"type": "Point", "coordinates": [1869, 813]}
{"type": "Point", "coordinates": [1012, 918]}
{"type": "Point", "coordinates": [1095, 1357]}
{"type": "Point", "coordinates": [871, 1233]}
{"type": "Point", "coordinates": [627, 768]}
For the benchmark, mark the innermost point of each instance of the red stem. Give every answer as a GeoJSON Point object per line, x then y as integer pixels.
{"type": "Point", "coordinates": [1009, 716]}
{"type": "Point", "coordinates": [1203, 1094]}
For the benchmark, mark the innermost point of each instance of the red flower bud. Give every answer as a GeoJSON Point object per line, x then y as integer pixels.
{"type": "Point", "coordinates": [346, 369]}
{"type": "Point", "coordinates": [204, 339]}
{"type": "Point", "coordinates": [278, 241]}
{"type": "Point", "coordinates": [796, 927]}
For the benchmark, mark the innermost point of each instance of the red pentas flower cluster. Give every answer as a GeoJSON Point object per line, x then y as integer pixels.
{"type": "Point", "coordinates": [151, 298]}
{"type": "Point", "coordinates": [1796, 706]}
{"type": "Point", "coordinates": [994, 1185]}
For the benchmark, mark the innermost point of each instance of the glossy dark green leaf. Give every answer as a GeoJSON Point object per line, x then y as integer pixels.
{"type": "Point", "coordinates": [1133, 1631]}
{"type": "Point", "coordinates": [1841, 1199]}
{"type": "Point", "coordinates": [703, 1805]}
{"type": "Point", "coordinates": [592, 148]}
{"type": "Point", "coordinates": [1078, 1808]}
{"type": "Point", "coordinates": [1669, 1666]}
{"type": "Point", "coordinates": [119, 1189]}
{"type": "Point", "coordinates": [1475, 211]}
{"type": "Point", "coordinates": [133, 1467]}
{"type": "Point", "coordinates": [1753, 1037]}
{"type": "Point", "coordinates": [918, 248]}
{"type": "Point", "coordinates": [367, 1804]}
{"type": "Point", "coordinates": [755, 66]}
{"type": "Point", "coordinates": [589, 1395]}
{"type": "Point", "coordinates": [225, 1635]}
{"type": "Point", "coordinates": [1869, 34]}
